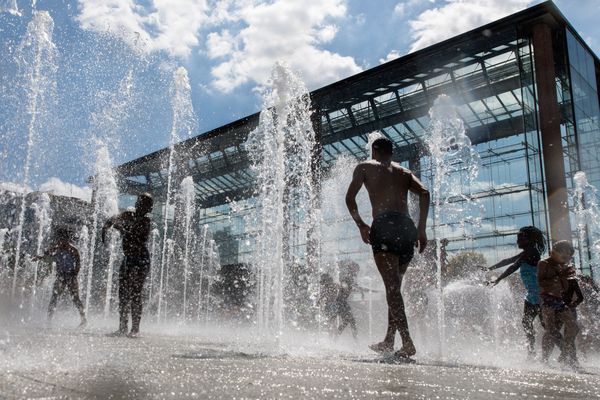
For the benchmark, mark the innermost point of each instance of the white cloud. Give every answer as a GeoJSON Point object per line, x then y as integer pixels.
{"type": "Point", "coordinates": [400, 9]}
{"type": "Point", "coordinates": [392, 55]}
{"type": "Point", "coordinates": [59, 188]}
{"type": "Point", "coordinates": [169, 25]}
{"type": "Point", "coordinates": [220, 44]}
{"type": "Point", "coordinates": [327, 33]}
{"type": "Point", "coordinates": [458, 16]}
{"type": "Point", "coordinates": [287, 30]}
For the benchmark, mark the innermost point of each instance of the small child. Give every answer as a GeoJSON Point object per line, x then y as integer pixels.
{"type": "Point", "coordinates": [553, 274]}
{"type": "Point", "coordinates": [348, 272]}
{"type": "Point", "coordinates": [68, 263]}
{"type": "Point", "coordinates": [328, 298]}
{"type": "Point", "coordinates": [531, 240]}
{"type": "Point", "coordinates": [572, 289]}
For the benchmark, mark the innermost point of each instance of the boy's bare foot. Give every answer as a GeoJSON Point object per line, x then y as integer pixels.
{"type": "Point", "coordinates": [408, 350]}
{"type": "Point", "coordinates": [382, 347]}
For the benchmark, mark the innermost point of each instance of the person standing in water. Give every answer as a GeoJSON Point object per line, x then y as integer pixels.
{"type": "Point", "coordinates": [553, 275]}
{"type": "Point", "coordinates": [134, 227]}
{"type": "Point", "coordinates": [348, 272]}
{"type": "Point", "coordinates": [572, 297]}
{"type": "Point", "coordinates": [68, 262]}
{"type": "Point", "coordinates": [393, 234]}
{"type": "Point", "coordinates": [327, 300]}
{"type": "Point", "coordinates": [531, 241]}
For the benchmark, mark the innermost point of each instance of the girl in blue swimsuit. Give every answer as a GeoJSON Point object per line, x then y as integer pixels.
{"type": "Point", "coordinates": [531, 240]}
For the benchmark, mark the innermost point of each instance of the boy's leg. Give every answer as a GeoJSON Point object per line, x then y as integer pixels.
{"type": "Point", "coordinates": [124, 296]}
{"type": "Point", "coordinates": [137, 287]}
{"type": "Point", "coordinates": [569, 321]}
{"type": "Point", "coordinates": [343, 325]}
{"type": "Point", "coordinates": [550, 331]}
{"type": "Point", "coordinates": [343, 308]}
{"type": "Point", "coordinates": [387, 264]}
{"type": "Point", "coordinates": [74, 291]}
{"type": "Point", "coordinates": [331, 324]}
{"type": "Point", "coordinates": [352, 322]}
{"type": "Point", "coordinates": [57, 290]}
{"type": "Point", "coordinates": [408, 347]}
{"type": "Point", "coordinates": [529, 313]}
{"type": "Point", "coordinates": [392, 274]}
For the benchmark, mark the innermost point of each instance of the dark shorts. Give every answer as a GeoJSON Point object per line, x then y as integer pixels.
{"type": "Point", "coordinates": [394, 232]}
{"type": "Point", "coordinates": [553, 303]}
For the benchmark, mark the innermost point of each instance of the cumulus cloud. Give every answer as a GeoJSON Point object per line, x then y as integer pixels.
{"type": "Point", "coordinates": [243, 38]}
{"type": "Point", "coordinates": [392, 55]}
{"type": "Point", "coordinates": [458, 16]}
{"type": "Point", "coordinates": [288, 30]}
{"type": "Point", "coordinates": [169, 25]}
{"type": "Point", "coordinates": [220, 44]}
{"type": "Point", "coordinates": [59, 188]}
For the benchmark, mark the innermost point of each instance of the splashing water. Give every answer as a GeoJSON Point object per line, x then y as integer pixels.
{"type": "Point", "coordinates": [454, 168]}
{"type": "Point", "coordinates": [184, 123]}
{"type": "Point", "coordinates": [83, 244]}
{"type": "Point", "coordinates": [105, 206]}
{"type": "Point", "coordinates": [43, 214]}
{"type": "Point", "coordinates": [36, 57]}
{"type": "Point", "coordinates": [105, 126]}
{"type": "Point", "coordinates": [281, 150]}
{"type": "Point", "coordinates": [587, 219]}
{"type": "Point", "coordinates": [187, 195]}
{"type": "Point", "coordinates": [154, 244]}
{"type": "Point", "coordinates": [203, 258]}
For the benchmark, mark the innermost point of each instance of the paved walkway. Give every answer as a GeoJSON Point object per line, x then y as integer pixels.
{"type": "Point", "coordinates": [71, 364]}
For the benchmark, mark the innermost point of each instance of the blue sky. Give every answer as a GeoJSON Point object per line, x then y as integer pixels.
{"type": "Point", "coordinates": [228, 48]}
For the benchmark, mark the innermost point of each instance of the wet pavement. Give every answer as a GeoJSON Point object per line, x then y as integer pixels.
{"type": "Point", "coordinates": [37, 363]}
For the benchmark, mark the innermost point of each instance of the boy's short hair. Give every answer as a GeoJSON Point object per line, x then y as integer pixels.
{"type": "Point", "coordinates": [383, 145]}
{"type": "Point", "coordinates": [564, 247]}
{"type": "Point", "coordinates": [62, 234]}
{"type": "Point", "coordinates": [147, 197]}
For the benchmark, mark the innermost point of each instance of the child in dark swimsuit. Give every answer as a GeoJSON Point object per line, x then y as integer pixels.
{"type": "Point", "coordinates": [68, 263]}
{"type": "Point", "coordinates": [348, 272]}
{"type": "Point", "coordinates": [572, 297]}
{"type": "Point", "coordinates": [327, 300]}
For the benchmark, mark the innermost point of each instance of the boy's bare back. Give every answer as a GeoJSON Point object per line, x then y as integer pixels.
{"type": "Point", "coordinates": [387, 185]}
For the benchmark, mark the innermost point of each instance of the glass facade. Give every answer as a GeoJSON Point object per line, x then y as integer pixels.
{"type": "Point", "coordinates": [585, 128]}
{"type": "Point", "coordinates": [490, 78]}
{"type": "Point", "coordinates": [585, 107]}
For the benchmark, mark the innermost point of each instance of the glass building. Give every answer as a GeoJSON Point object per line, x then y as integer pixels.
{"type": "Point", "coordinates": [526, 87]}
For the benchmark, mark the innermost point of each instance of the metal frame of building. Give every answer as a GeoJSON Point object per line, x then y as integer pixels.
{"type": "Point", "coordinates": [511, 79]}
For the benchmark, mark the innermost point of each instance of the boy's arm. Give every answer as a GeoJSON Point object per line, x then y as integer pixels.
{"type": "Point", "coordinates": [417, 187]}
{"type": "Point", "coordinates": [358, 178]}
{"type": "Point", "coordinates": [578, 293]}
{"type": "Point", "coordinates": [110, 223]}
{"type": "Point", "coordinates": [47, 254]}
